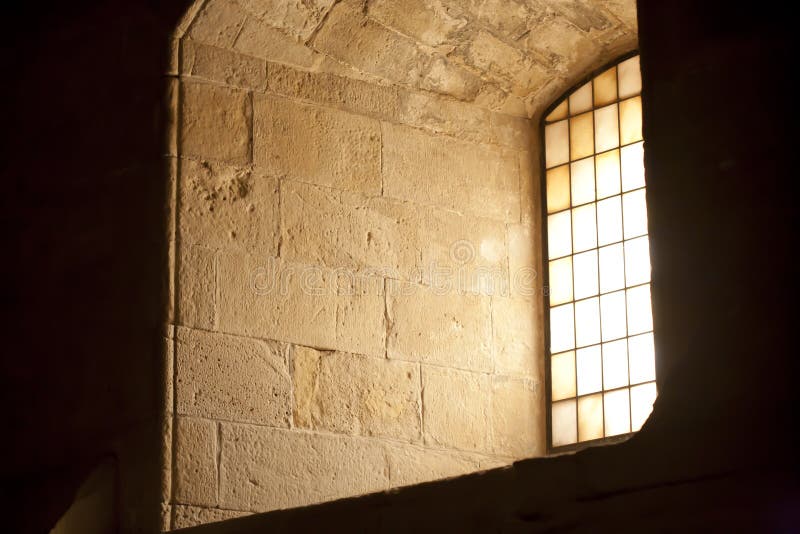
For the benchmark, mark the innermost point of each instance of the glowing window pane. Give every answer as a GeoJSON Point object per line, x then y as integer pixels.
{"type": "Point", "coordinates": [632, 162]}
{"type": "Point", "coordinates": [641, 355]}
{"type": "Point", "coordinates": [560, 112]}
{"type": "Point", "coordinates": [642, 399]}
{"type": "Point", "coordinates": [562, 328]}
{"type": "Point", "coordinates": [606, 125]}
{"type": "Point", "coordinates": [560, 281]}
{"type": "Point", "coordinates": [605, 87]}
{"type": "Point", "coordinates": [565, 425]}
{"type": "Point", "coordinates": [562, 375]}
{"type": "Point", "coordinates": [590, 417]}
{"type": "Point", "coordinates": [584, 227]}
{"type": "Point", "coordinates": [581, 99]}
{"type": "Point", "coordinates": [612, 315]}
{"type": "Point", "coordinates": [630, 118]}
{"type": "Point", "coordinates": [616, 406]}
{"type": "Point", "coordinates": [637, 261]}
{"type": "Point", "coordinates": [582, 181]}
{"type": "Point", "coordinates": [640, 315]}
{"type": "Point", "coordinates": [609, 221]}
{"type": "Point", "coordinates": [634, 213]}
{"type": "Point", "coordinates": [581, 136]}
{"type": "Point", "coordinates": [590, 375]}
{"type": "Point", "coordinates": [559, 234]}
{"type": "Point", "coordinates": [630, 77]}
{"type": "Point", "coordinates": [585, 267]}
{"type": "Point", "coordinates": [558, 189]}
{"type": "Point", "coordinates": [587, 322]}
{"type": "Point", "coordinates": [607, 169]}
{"type": "Point", "coordinates": [612, 268]}
{"type": "Point", "coordinates": [615, 364]}
{"type": "Point", "coordinates": [556, 140]}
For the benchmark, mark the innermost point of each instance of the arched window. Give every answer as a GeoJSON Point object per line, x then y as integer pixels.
{"type": "Point", "coordinates": [601, 364]}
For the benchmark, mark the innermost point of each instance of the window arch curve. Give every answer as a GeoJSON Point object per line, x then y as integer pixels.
{"type": "Point", "coordinates": [600, 354]}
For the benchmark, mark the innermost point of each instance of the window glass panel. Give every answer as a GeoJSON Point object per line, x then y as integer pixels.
{"type": "Point", "coordinates": [630, 77]}
{"type": "Point", "coordinates": [612, 268]}
{"type": "Point", "coordinates": [562, 372]}
{"type": "Point", "coordinates": [584, 227]}
{"type": "Point", "coordinates": [585, 266]}
{"type": "Point", "coordinates": [587, 322]}
{"type": "Point", "coordinates": [632, 166]}
{"type": "Point", "coordinates": [560, 112]}
{"type": "Point", "coordinates": [559, 234]}
{"type": "Point", "coordinates": [617, 412]}
{"type": "Point", "coordinates": [637, 261]}
{"type": "Point", "coordinates": [640, 315]}
{"type": "Point", "coordinates": [560, 289]}
{"type": "Point", "coordinates": [608, 181]}
{"type": "Point", "coordinates": [581, 99]}
{"type": "Point", "coordinates": [642, 399]}
{"type": "Point", "coordinates": [565, 425]}
{"type": "Point", "coordinates": [590, 417]}
{"type": "Point", "coordinates": [612, 315]}
{"type": "Point", "coordinates": [630, 118]}
{"type": "Point", "coordinates": [556, 139]}
{"type": "Point", "coordinates": [558, 189]}
{"type": "Point", "coordinates": [562, 328]}
{"type": "Point", "coordinates": [606, 135]}
{"type": "Point", "coordinates": [615, 364]}
{"type": "Point", "coordinates": [605, 87]}
{"type": "Point", "coordinates": [642, 358]}
{"type": "Point", "coordinates": [590, 376]}
{"type": "Point", "coordinates": [582, 181]}
{"type": "Point", "coordinates": [634, 213]}
{"type": "Point", "coordinates": [609, 221]}
{"type": "Point", "coordinates": [581, 136]}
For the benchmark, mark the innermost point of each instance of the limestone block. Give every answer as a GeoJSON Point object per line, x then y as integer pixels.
{"type": "Point", "coordinates": [195, 462]}
{"type": "Point", "coordinates": [508, 18]}
{"type": "Point", "coordinates": [165, 477]}
{"type": "Point", "coordinates": [223, 66]}
{"type": "Point", "coordinates": [438, 171]}
{"type": "Point", "coordinates": [585, 15]}
{"type": "Point", "coordinates": [232, 378]}
{"type": "Point", "coordinates": [524, 259]}
{"type": "Point", "coordinates": [456, 408]}
{"type": "Point", "coordinates": [229, 207]}
{"type": "Point", "coordinates": [197, 287]}
{"type": "Point", "coordinates": [317, 145]}
{"type": "Point", "coordinates": [427, 21]}
{"type": "Point", "coordinates": [444, 328]}
{"type": "Point", "coordinates": [358, 395]}
{"type": "Point", "coordinates": [261, 40]}
{"type": "Point", "coordinates": [215, 123]}
{"type": "Point", "coordinates": [566, 47]}
{"type": "Point", "coordinates": [268, 298]}
{"type": "Point", "coordinates": [297, 18]}
{"type": "Point", "coordinates": [518, 421]}
{"type": "Point", "coordinates": [624, 10]}
{"type": "Point", "coordinates": [445, 77]}
{"type": "Point", "coordinates": [412, 464]}
{"type": "Point", "coordinates": [218, 23]}
{"type": "Point", "coordinates": [530, 188]}
{"type": "Point", "coordinates": [192, 516]}
{"type": "Point", "coordinates": [267, 469]}
{"type": "Point", "coordinates": [436, 115]}
{"type": "Point", "coordinates": [511, 131]}
{"type": "Point", "coordinates": [165, 517]}
{"type": "Point", "coordinates": [166, 371]}
{"type": "Point", "coordinates": [518, 342]}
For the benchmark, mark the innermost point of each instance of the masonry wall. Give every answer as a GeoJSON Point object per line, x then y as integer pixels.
{"type": "Point", "coordinates": [357, 305]}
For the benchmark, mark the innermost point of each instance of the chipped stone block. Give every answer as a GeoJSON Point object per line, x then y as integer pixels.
{"type": "Point", "coordinates": [192, 516]}
{"type": "Point", "coordinates": [261, 40]}
{"type": "Point", "coordinates": [218, 23]}
{"type": "Point", "coordinates": [456, 408]}
{"type": "Point", "coordinates": [358, 395]}
{"type": "Point", "coordinates": [518, 336]}
{"type": "Point", "coordinates": [428, 21]}
{"type": "Point", "coordinates": [195, 462]}
{"type": "Point", "coordinates": [318, 145]}
{"type": "Point", "coordinates": [223, 66]}
{"type": "Point", "coordinates": [412, 464]}
{"type": "Point", "coordinates": [445, 77]}
{"type": "Point", "coordinates": [197, 287]}
{"type": "Point", "coordinates": [267, 469]}
{"type": "Point", "coordinates": [229, 207]}
{"type": "Point", "coordinates": [215, 123]}
{"type": "Point", "coordinates": [232, 378]}
{"type": "Point", "coordinates": [297, 18]}
{"type": "Point", "coordinates": [518, 421]}
{"type": "Point", "coordinates": [451, 174]}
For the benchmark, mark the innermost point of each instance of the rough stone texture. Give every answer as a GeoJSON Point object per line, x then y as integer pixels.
{"type": "Point", "coordinates": [450, 174]}
{"type": "Point", "coordinates": [530, 189]}
{"type": "Point", "coordinates": [427, 21]}
{"type": "Point", "coordinates": [259, 39]}
{"type": "Point", "coordinates": [195, 476]}
{"type": "Point", "coordinates": [165, 477]}
{"type": "Point", "coordinates": [518, 417]}
{"type": "Point", "coordinates": [523, 263]}
{"type": "Point", "coordinates": [518, 344]}
{"type": "Point", "coordinates": [317, 145]}
{"type": "Point", "coordinates": [412, 464]}
{"type": "Point", "coordinates": [442, 327]}
{"type": "Point", "coordinates": [218, 23]}
{"type": "Point", "coordinates": [223, 66]}
{"type": "Point", "coordinates": [297, 18]}
{"type": "Point", "coordinates": [458, 405]}
{"type": "Point", "coordinates": [190, 516]}
{"type": "Point", "coordinates": [357, 395]}
{"type": "Point", "coordinates": [228, 207]}
{"type": "Point", "coordinates": [215, 123]}
{"type": "Point", "coordinates": [268, 469]}
{"type": "Point", "coordinates": [232, 378]}
{"type": "Point", "coordinates": [197, 287]}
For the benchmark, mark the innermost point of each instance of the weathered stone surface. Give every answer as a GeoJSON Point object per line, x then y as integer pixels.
{"type": "Point", "coordinates": [450, 174]}
{"type": "Point", "coordinates": [427, 21]}
{"type": "Point", "coordinates": [223, 66]}
{"type": "Point", "coordinates": [165, 517]}
{"type": "Point", "coordinates": [229, 207]}
{"type": "Point", "coordinates": [215, 123]}
{"type": "Point", "coordinates": [232, 378]}
{"type": "Point", "coordinates": [432, 326]}
{"type": "Point", "coordinates": [518, 421]}
{"type": "Point", "coordinates": [298, 18]}
{"type": "Point", "coordinates": [317, 145]}
{"type": "Point", "coordinates": [445, 77]}
{"type": "Point", "coordinates": [524, 259]}
{"type": "Point", "coordinates": [456, 408]}
{"type": "Point", "coordinates": [165, 477]}
{"type": "Point", "coordinates": [195, 462]}
{"type": "Point", "coordinates": [567, 48]}
{"type": "Point", "coordinates": [511, 131]}
{"type": "Point", "coordinates": [412, 464]}
{"type": "Point", "coordinates": [192, 516]}
{"type": "Point", "coordinates": [269, 298]}
{"type": "Point", "coordinates": [530, 189]}
{"type": "Point", "coordinates": [261, 40]}
{"type": "Point", "coordinates": [266, 469]}
{"type": "Point", "coordinates": [505, 62]}
{"type": "Point", "coordinates": [508, 18]}
{"type": "Point", "coordinates": [197, 287]}
{"type": "Point", "coordinates": [518, 341]}
{"type": "Point", "coordinates": [357, 395]}
{"type": "Point", "coordinates": [218, 23]}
